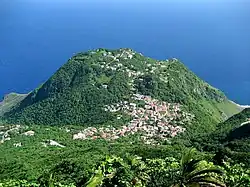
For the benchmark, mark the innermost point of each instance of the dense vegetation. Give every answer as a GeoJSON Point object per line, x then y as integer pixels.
{"type": "Point", "coordinates": [56, 138]}
{"type": "Point", "coordinates": [190, 169]}
{"type": "Point", "coordinates": [77, 93]}
{"type": "Point", "coordinates": [230, 139]}
{"type": "Point", "coordinates": [36, 163]}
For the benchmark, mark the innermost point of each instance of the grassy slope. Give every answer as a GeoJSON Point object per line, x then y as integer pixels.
{"type": "Point", "coordinates": [221, 111]}
{"type": "Point", "coordinates": [235, 121]}
{"type": "Point", "coordinates": [229, 108]}
{"type": "Point", "coordinates": [10, 101]}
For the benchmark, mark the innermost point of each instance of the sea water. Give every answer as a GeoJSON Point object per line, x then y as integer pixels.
{"type": "Point", "coordinates": [212, 38]}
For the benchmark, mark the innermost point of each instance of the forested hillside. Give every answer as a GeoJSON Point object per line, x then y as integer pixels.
{"type": "Point", "coordinates": [80, 91]}
{"type": "Point", "coordinates": [230, 139]}
{"type": "Point", "coordinates": [116, 118]}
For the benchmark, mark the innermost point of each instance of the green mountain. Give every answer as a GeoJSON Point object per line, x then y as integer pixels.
{"type": "Point", "coordinates": [89, 83]}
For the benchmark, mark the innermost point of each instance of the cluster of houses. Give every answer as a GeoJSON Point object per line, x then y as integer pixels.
{"type": "Point", "coordinates": [116, 65]}
{"type": "Point", "coordinates": [7, 131]}
{"type": "Point", "coordinates": [155, 120]}
{"type": "Point", "coordinates": [127, 54]}
{"type": "Point", "coordinates": [124, 53]}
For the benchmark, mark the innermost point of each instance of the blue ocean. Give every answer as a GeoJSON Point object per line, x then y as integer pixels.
{"type": "Point", "coordinates": [211, 37]}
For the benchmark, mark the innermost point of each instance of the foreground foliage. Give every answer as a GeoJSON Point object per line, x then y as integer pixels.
{"type": "Point", "coordinates": [136, 171]}
{"type": "Point", "coordinates": [189, 172]}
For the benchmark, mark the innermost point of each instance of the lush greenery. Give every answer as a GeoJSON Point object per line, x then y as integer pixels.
{"type": "Point", "coordinates": [39, 150]}
{"type": "Point", "coordinates": [80, 162]}
{"type": "Point", "coordinates": [129, 170]}
{"type": "Point", "coordinates": [78, 91]}
{"type": "Point", "coordinates": [230, 139]}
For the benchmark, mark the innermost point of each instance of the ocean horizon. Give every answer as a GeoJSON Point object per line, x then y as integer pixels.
{"type": "Point", "coordinates": [212, 38]}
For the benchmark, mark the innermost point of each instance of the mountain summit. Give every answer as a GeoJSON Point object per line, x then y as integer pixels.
{"type": "Point", "coordinates": [118, 86]}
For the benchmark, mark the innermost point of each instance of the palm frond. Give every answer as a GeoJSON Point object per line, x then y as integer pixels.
{"type": "Point", "coordinates": [96, 180]}
{"type": "Point", "coordinates": [187, 157]}
{"type": "Point", "coordinates": [202, 178]}
{"type": "Point", "coordinates": [209, 182]}
{"type": "Point", "coordinates": [205, 171]}
{"type": "Point", "coordinates": [190, 167]}
{"type": "Point", "coordinates": [197, 178]}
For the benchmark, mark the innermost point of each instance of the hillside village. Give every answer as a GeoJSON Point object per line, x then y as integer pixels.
{"type": "Point", "coordinates": [119, 62]}
{"type": "Point", "coordinates": [153, 121]}
{"type": "Point", "coordinates": [11, 131]}
{"type": "Point", "coordinates": [156, 120]}
{"type": "Point", "coordinates": [122, 60]}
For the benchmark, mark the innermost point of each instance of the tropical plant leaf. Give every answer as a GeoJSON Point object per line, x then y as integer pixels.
{"type": "Point", "coordinates": [210, 182]}
{"type": "Point", "coordinates": [205, 171]}
{"type": "Point", "coordinates": [190, 167]}
{"type": "Point", "coordinates": [186, 158]}
{"type": "Point", "coordinates": [96, 180]}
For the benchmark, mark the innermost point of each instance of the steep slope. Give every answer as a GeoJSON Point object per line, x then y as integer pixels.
{"type": "Point", "coordinates": [10, 101]}
{"type": "Point", "coordinates": [95, 87]}
{"type": "Point", "coordinates": [230, 139]}
{"type": "Point", "coordinates": [238, 126]}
